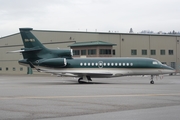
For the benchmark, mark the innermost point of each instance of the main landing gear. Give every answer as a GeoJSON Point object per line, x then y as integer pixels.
{"type": "Point", "coordinates": [152, 81]}
{"type": "Point", "coordinates": [84, 79]}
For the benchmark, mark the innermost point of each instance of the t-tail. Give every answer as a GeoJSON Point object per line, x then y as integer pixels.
{"type": "Point", "coordinates": [36, 53]}
{"type": "Point", "coordinates": [34, 49]}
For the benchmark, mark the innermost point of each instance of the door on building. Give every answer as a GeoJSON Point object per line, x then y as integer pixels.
{"type": "Point", "coordinates": [29, 70]}
{"type": "Point", "coordinates": [173, 65]}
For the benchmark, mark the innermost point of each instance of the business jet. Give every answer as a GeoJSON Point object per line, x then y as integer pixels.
{"type": "Point", "coordinates": [61, 62]}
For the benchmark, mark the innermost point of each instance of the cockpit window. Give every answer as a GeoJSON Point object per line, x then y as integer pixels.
{"type": "Point", "coordinates": [155, 63]}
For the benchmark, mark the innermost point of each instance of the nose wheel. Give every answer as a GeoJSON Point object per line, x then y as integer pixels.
{"type": "Point", "coordinates": [152, 81]}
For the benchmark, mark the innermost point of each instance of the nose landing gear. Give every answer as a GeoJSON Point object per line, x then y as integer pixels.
{"type": "Point", "coordinates": [152, 81]}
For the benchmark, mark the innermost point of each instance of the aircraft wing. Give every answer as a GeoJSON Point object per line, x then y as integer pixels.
{"type": "Point", "coordinates": [78, 74]}
{"type": "Point", "coordinates": [73, 73]}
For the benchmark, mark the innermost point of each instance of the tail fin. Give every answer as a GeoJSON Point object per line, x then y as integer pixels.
{"type": "Point", "coordinates": [34, 49]}
{"type": "Point", "coordinates": [29, 40]}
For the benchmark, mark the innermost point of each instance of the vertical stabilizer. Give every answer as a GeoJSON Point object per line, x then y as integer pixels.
{"type": "Point", "coordinates": [34, 49]}
{"type": "Point", "coordinates": [29, 40]}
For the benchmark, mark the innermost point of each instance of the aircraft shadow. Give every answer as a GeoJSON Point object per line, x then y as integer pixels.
{"type": "Point", "coordinates": [66, 82]}
{"type": "Point", "coordinates": [72, 82]}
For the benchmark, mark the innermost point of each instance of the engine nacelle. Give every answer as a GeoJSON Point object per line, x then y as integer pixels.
{"type": "Point", "coordinates": [65, 53]}
{"type": "Point", "coordinates": [54, 62]}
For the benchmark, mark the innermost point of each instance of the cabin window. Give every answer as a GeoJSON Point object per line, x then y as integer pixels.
{"type": "Point", "coordinates": [112, 64]}
{"type": "Point", "coordinates": [131, 64]}
{"type": "Point", "coordinates": [104, 64]}
{"type": "Point", "coordinates": [119, 64]}
{"type": "Point", "coordinates": [84, 64]}
{"type": "Point", "coordinates": [96, 64]}
{"type": "Point", "coordinates": [108, 64]}
{"type": "Point", "coordinates": [92, 64]}
{"type": "Point", "coordinates": [81, 64]}
{"type": "Point", "coordinates": [123, 64]}
{"type": "Point", "coordinates": [127, 64]}
{"type": "Point", "coordinates": [0, 68]}
{"type": "Point", "coordinates": [88, 64]}
{"type": "Point", "coordinates": [116, 64]}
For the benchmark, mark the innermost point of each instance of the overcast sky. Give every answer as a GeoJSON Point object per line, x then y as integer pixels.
{"type": "Point", "coordinates": [90, 15]}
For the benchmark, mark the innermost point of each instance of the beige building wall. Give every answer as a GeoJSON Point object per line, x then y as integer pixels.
{"type": "Point", "coordinates": [134, 42]}
{"type": "Point", "coordinates": [164, 43]}
{"type": "Point", "coordinates": [62, 39]}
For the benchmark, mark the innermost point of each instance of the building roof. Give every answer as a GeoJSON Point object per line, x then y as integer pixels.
{"type": "Point", "coordinates": [91, 43]}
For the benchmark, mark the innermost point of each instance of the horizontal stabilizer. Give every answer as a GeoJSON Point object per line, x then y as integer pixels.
{"type": "Point", "coordinates": [16, 51]}
{"type": "Point", "coordinates": [25, 50]}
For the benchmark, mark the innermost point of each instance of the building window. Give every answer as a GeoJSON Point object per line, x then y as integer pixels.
{"type": "Point", "coordinates": [83, 52]}
{"type": "Point", "coordinates": [14, 69]}
{"type": "Point", "coordinates": [105, 51]}
{"type": "Point", "coordinates": [7, 68]}
{"type": "Point", "coordinates": [133, 52]}
{"type": "Point", "coordinates": [76, 52]}
{"type": "Point", "coordinates": [92, 52]}
{"type": "Point", "coordinates": [21, 68]}
{"type": "Point", "coordinates": [153, 52]}
{"type": "Point", "coordinates": [170, 52]}
{"type": "Point", "coordinates": [144, 52]}
{"type": "Point", "coordinates": [173, 65]}
{"type": "Point", "coordinates": [163, 52]}
{"type": "Point", "coordinates": [114, 52]}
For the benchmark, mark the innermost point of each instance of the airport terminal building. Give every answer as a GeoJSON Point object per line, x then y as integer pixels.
{"type": "Point", "coordinates": [165, 48]}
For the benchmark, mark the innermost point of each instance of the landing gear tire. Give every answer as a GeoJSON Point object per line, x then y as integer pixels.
{"type": "Point", "coordinates": [79, 80]}
{"type": "Point", "coordinates": [151, 82]}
